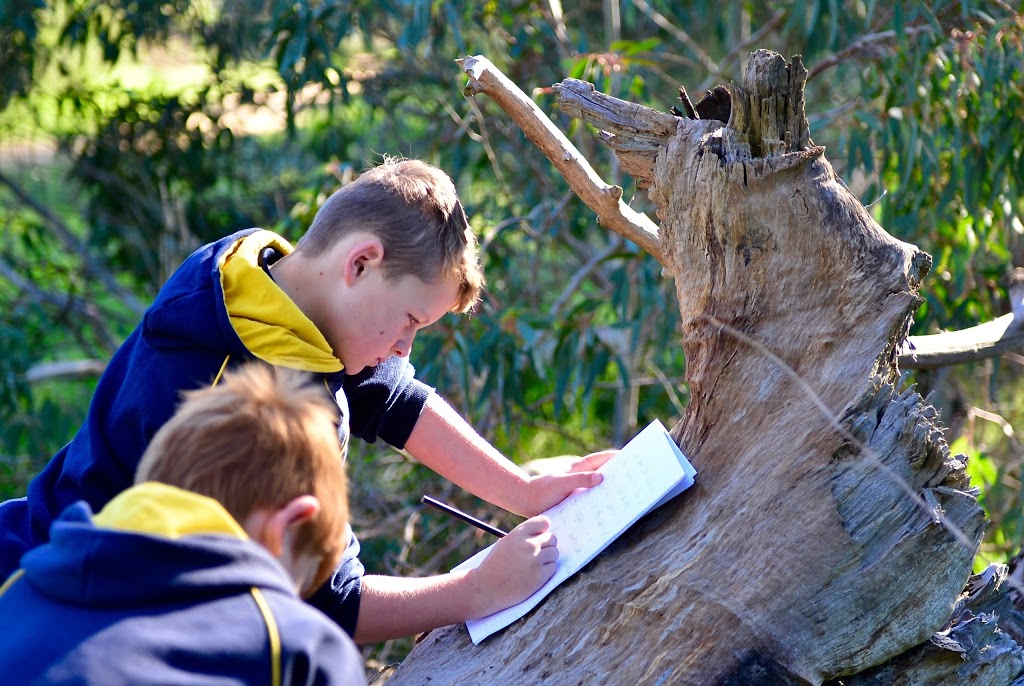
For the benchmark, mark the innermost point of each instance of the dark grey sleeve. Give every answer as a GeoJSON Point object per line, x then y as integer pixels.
{"type": "Point", "coordinates": [339, 597]}
{"type": "Point", "coordinates": [385, 401]}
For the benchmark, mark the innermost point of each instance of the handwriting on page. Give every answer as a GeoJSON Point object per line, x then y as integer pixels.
{"type": "Point", "coordinates": [644, 473]}
{"type": "Point", "coordinates": [583, 521]}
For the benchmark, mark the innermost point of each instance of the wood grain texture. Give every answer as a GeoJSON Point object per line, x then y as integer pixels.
{"type": "Point", "coordinates": [829, 530]}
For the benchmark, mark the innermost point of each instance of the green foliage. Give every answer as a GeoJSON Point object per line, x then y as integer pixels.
{"type": "Point", "coordinates": [952, 168]}
{"type": "Point", "coordinates": [18, 30]}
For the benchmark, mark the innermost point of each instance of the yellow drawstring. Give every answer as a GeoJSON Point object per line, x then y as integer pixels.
{"type": "Point", "coordinates": [275, 637]}
{"type": "Point", "coordinates": [221, 372]}
{"type": "Point", "coordinates": [10, 580]}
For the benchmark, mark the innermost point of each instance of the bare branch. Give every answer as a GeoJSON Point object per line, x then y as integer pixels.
{"type": "Point", "coordinates": [947, 17]}
{"type": "Point", "coordinates": [990, 339]}
{"type": "Point", "coordinates": [66, 369]}
{"type": "Point", "coordinates": [485, 139]}
{"type": "Point", "coordinates": [636, 133]}
{"type": "Point", "coordinates": [679, 34]}
{"type": "Point", "coordinates": [553, 14]}
{"type": "Point", "coordinates": [826, 117]}
{"type": "Point", "coordinates": [68, 304]}
{"type": "Point", "coordinates": [872, 41]}
{"type": "Point", "coordinates": [599, 196]}
{"type": "Point", "coordinates": [754, 38]}
{"type": "Point", "coordinates": [579, 276]}
{"type": "Point", "coordinates": [90, 263]}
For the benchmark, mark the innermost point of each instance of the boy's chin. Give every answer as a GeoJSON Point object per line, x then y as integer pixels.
{"type": "Point", "coordinates": [354, 369]}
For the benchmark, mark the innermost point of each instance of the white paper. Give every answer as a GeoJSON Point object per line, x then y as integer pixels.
{"type": "Point", "coordinates": [646, 473]}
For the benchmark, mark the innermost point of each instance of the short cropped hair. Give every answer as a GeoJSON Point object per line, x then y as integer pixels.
{"type": "Point", "coordinates": [413, 208]}
{"type": "Point", "coordinates": [258, 439]}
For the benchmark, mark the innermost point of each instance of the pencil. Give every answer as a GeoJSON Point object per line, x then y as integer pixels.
{"type": "Point", "coordinates": [459, 514]}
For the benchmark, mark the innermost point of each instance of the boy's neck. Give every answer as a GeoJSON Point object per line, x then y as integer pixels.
{"type": "Point", "coordinates": [287, 271]}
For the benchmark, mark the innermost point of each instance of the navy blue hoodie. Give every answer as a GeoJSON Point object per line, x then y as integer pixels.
{"type": "Point", "coordinates": [163, 587]}
{"type": "Point", "coordinates": [220, 308]}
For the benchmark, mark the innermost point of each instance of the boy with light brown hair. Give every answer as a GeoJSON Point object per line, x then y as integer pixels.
{"type": "Point", "coordinates": [264, 444]}
{"type": "Point", "coordinates": [195, 573]}
{"type": "Point", "coordinates": [385, 256]}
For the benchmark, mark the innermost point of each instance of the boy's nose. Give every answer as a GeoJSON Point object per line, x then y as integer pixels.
{"type": "Point", "coordinates": [403, 346]}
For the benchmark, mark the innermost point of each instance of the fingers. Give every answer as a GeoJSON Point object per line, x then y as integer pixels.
{"type": "Point", "coordinates": [536, 532]}
{"type": "Point", "coordinates": [544, 548]}
{"type": "Point", "coordinates": [548, 555]}
{"type": "Point", "coordinates": [548, 490]}
{"type": "Point", "coordinates": [519, 564]}
{"type": "Point", "coordinates": [593, 461]}
{"type": "Point", "coordinates": [535, 525]}
{"type": "Point", "coordinates": [585, 468]}
{"type": "Point", "coordinates": [574, 480]}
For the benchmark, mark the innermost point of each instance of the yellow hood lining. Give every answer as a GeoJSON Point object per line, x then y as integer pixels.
{"type": "Point", "coordinates": [268, 322]}
{"type": "Point", "coordinates": [162, 510]}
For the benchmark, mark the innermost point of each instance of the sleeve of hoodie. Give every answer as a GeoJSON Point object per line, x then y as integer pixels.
{"type": "Point", "coordinates": [385, 401]}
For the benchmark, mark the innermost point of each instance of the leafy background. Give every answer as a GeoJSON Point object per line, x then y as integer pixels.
{"type": "Point", "coordinates": [131, 132]}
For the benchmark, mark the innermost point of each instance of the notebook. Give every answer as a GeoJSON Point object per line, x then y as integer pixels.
{"type": "Point", "coordinates": [648, 471]}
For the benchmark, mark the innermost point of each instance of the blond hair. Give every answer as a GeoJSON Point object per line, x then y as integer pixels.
{"type": "Point", "coordinates": [260, 438]}
{"type": "Point", "coordinates": [413, 208]}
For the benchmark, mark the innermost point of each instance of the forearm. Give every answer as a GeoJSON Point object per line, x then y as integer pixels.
{"type": "Point", "coordinates": [443, 441]}
{"type": "Point", "coordinates": [393, 607]}
{"type": "Point", "coordinates": [514, 568]}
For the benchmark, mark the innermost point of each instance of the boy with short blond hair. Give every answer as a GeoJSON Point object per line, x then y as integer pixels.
{"type": "Point", "coordinates": [425, 235]}
{"type": "Point", "coordinates": [195, 572]}
{"type": "Point", "coordinates": [386, 256]}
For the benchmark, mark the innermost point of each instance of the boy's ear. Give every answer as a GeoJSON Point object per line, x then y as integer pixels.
{"type": "Point", "coordinates": [366, 254]}
{"type": "Point", "coordinates": [279, 525]}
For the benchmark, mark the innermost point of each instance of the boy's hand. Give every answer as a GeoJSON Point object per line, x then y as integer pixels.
{"type": "Point", "coordinates": [518, 565]}
{"type": "Point", "coordinates": [547, 490]}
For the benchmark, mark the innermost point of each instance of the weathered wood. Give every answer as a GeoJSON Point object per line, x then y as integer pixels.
{"type": "Point", "coordinates": [989, 339]}
{"type": "Point", "coordinates": [636, 141]}
{"type": "Point", "coordinates": [634, 132]}
{"type": "Point", "coordinates": [980, 644]}
{"type": "Point", "coordinates": [986, 340]}
{"type": "Point", "coordinates": [604, 199]}
{"type": "Point", "coordinates": [829, 530]}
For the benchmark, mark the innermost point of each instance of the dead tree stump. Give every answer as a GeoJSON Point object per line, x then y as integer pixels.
{"type": "Point", "coordinates": [830, 530]}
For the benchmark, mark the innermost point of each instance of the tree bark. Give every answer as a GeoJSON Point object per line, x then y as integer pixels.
{"type": "Point", "coordinates": [830, 530]}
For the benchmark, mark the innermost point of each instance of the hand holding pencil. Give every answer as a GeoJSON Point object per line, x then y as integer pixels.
{"type": "Point", "coordinates": [518, 564]}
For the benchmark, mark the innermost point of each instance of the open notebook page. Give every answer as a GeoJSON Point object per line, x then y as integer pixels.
{"type": "Point", "coordinates": [645, 473]}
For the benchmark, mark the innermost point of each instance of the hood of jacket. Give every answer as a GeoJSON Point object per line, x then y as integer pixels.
{"type": "Point", "coordinates": [152, 544]}
{"type": "Point", "coordinates": [222, 298]}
